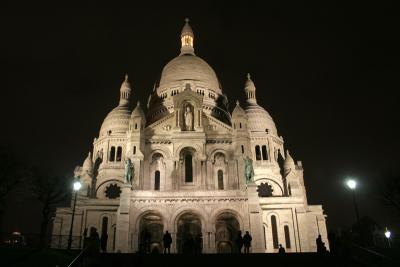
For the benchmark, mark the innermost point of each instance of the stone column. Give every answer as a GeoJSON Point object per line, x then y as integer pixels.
{"type": "Point", "coordinates": [122, 233]}
{"type": "Point", "coordinates": [212, 248]}
{"type": "Point", "coordinates": [173, 245]}
{"type": "Point", "coordinates": [255, 219]}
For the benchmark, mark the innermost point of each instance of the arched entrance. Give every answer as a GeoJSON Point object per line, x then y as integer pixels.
{"type": "Point", "coordinates": [227, 228]}
{"type": "Point", "coordinates": [189, 238]}
{"type": "Point", "coordinates": [151, 233]}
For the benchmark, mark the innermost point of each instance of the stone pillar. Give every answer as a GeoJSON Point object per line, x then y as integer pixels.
{"type": "Point", "coordinates": [255, 219]}
{"type": "Point", "coordinates": [173, 245]}
{"type": "Point", "coordinates": [122, 233]}
{"type": "Point", "coordinates": [241, 177]}
{"type": "Point", "coordinates": [212, 248]}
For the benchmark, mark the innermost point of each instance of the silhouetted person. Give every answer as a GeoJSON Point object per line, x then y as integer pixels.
{"type": "Point", "coordinates": [198, 244]}
{"type": "Point", "coordinates": [247, 242]}
{"type": "Point", "coordinates": [103, 241]}
{"type": "Point", "coordinates": [239, 242]}
{"type": "Point", "coordinates": [147, 238]}
{"type": "Point", "coordinates": [281, 250]}
{"type": "Point", "coordinates": [167, 240]}
{"type": "Point", "coordinates": [93, 242]}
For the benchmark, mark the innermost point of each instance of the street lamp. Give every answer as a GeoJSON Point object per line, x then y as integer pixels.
{"type": "Point", "coordinates": [352, 184]}
{"type": "Point", "coordinates": [388, 234]}
{"type": "Point", "coordinates": [77, 186]}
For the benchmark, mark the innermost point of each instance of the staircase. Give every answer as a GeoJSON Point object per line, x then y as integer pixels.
{"type": "Point", "coordinates": [208, 260]}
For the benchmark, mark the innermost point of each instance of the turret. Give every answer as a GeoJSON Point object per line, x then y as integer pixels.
{"type": "Point", "coordinates": [239, 118]}
{"type": "Point", "coordinates": [125, 92]}
{"type": "Point", "coordinates": [250, 90]}
{"type": "Point", "coordinates": [87, 166]}
{"type": "Point", "coordinates": [187, 38]}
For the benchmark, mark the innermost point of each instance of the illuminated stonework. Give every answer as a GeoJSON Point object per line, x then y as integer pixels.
{"type": "Point", "coordinates": [188, 174]}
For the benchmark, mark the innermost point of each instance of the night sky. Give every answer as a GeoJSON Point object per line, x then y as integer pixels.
{"type": "Point", "coordinates": [325, 72]}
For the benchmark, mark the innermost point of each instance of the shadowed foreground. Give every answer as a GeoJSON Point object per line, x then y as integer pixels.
{"type": "Point", "coordinates": [61, 258]}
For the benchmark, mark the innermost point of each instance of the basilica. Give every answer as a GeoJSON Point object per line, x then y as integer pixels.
{"type": "Point", "coordinates": [192, 167]}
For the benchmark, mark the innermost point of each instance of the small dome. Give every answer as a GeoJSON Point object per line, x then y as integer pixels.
{"type": "Point", "coordinates": [117, 121]}
{"type": "Point", "coordinates": [259, 119]}
{"type": "Point", "coordinates": [249, 84]}
{"type": "Point", "coordinates": [289, 162]}
{"type": "Point", "coordinates": [88, 163]}
{"type": "Point", "coordinates": [187, 30]}
{"type": "Point", "coordinates": [138, 111]}
{"type": "Point", "coordinates": [188, 67]}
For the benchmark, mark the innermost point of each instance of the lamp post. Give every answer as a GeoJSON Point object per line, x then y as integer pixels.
{"type": "Point", "coordinates": [352, 184]}
{"type": "Point", "coordinates": [387, 235]}
{"type": "Point", "coordinates": [77, 186]}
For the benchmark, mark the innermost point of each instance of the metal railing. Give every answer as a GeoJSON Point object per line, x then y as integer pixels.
{"type": "Point", "coordinates": [61, 242]}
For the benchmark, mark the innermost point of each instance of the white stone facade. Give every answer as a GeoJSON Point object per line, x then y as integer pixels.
{"type": "Point", "coordinates": [189, 173]}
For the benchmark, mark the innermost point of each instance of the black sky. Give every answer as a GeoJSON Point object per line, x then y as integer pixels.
{"type": "Point", "coordinates": [326, 72]}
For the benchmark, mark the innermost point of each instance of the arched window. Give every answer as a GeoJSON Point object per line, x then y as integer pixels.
{"type": "Point", "coordinates": [287, 236]}
{"type": "Point", "coordinates": [264, 153]}
{"type": "Point", "coordinates": [119, 154]}
{"type": "Point", "coordinates": [112, 153]}
{"type": "Point", "coordinates": [157, 180]}
{"type": "Point", "coordinates": [258, 153]}
{"type": "Point", "coordinates": [135, 126]}
{"type": "Point", "coordinates": [134, 150]}
{"type": "Point", "coordinates": [104, 226]}
{"type": "Point", "coordinates": [274, 231]}
{"type": "Point", "coordinates": [242, 149]}
{"type": "Point", "coordinates": [240, 125]}
{"type": "Point", "coordinates": [188, 168]}
{"type": "Point", "coordinates": [220, 180]}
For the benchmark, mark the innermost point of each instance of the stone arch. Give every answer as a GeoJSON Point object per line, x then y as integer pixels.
{"type": "Point", "coordinates": [189, 209]}
{"type": "Point", "coordinates": [274, 184]}
{"type": "Point", "coordinates": [227, 228]}
{"type": "Point", "coordinates": [216, 213]}
{"type": "Point", "coordinates": [189, 228]}
{"type": "Point", "coordinates": [102, 186]}
{"type": "Point", "coordinates": [145, 211]}
{"type": "Point", "coordinates": [195, 147]}
{"type": "Point", "coordinates": [164, 152]}
{"type": "Point", "coordinates": [150, 227]}
{"type": "Point", "coordinates": [218, 150]}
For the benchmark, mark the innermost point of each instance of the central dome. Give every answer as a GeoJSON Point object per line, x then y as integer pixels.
{"type": "Point", "coordinates": [188, 67]}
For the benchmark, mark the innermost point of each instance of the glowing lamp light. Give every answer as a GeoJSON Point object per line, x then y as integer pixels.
{"type": "Point", "coordinates": [352, 184]}
{"type": "Point", "coordinates": [77, 186]}
{"type": "Point", "coordinates": [387, 233]}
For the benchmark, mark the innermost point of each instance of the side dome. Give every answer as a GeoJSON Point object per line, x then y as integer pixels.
{"type": "Point", "coordinates": [188, 67]}
{"type": "Point", "coordinates": [117, 121]}
{"type": "Point", "coordinates": [259, 119]}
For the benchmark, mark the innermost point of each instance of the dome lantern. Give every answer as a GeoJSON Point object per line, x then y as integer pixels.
{"type": "Point", "coordinates": [187, 37]}
{"type": "Point", "coordinates": [250, 90]}
{"type": "Point", "coordinates": [125, 92]}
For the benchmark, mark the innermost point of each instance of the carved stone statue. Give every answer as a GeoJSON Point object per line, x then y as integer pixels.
{"type": "Point", "coordinates": [248, 170]}
{"type": "Point", "coordinates": [129, 171]}
{"type": "Point", "coordinates": [188, 119]}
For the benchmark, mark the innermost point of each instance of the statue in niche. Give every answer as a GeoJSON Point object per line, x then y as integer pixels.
{"type": "Point", "coordinates": [248, 170]}
{"type": "Point", "coordinates": [129, 170]}
{"type": "Point", "coordinates": [188, 118]}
